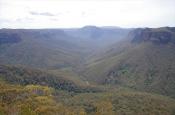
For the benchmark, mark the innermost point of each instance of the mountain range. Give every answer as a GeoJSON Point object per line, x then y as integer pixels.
{"type": "Point", "coordinates": [97, 70]}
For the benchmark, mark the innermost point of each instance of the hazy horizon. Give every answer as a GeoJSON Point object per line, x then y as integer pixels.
{"type": "Point", "coordinates": [32, 14]}
{"type": "Point", "coordinates": [87, 26]}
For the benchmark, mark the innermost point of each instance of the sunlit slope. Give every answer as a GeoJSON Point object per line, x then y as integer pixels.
{"type": "Point", "coordinates": [144, 61]}
{"type": "Point", "coordinates": [123, 102]}
{"type": "Point", "coordinates": [43, 100]}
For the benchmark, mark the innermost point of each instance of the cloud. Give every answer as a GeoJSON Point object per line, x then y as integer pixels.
{"type": "Point", "coordinates": [42, 13]}
{"type": "Point", "coordinates": [77, 13]}
{"type": "Point", "coordinates": [25, 19]}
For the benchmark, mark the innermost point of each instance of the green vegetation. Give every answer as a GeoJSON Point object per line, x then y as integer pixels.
{"type": "Point", "coordinates": [25, 76]}
{"type": "Point", "coordinates": [87, 71]}
{"type": "Point", "coordinates": [41, 100]}
{"type": "Point", "coordinates": [144, 65]}
{"type": "Point", "coordinates": [31, 100]}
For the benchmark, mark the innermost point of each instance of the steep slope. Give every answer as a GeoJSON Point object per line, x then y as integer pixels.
{"type": "Point", "coordinates": [54, 48]}
{"type": "Point", "coordinates": [39, 48]}
{"type": "Point", "coordinates": [143, 61]}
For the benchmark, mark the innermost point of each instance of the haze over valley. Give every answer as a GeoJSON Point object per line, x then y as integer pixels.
{"type": "Point", "coordinates": [113, 65]}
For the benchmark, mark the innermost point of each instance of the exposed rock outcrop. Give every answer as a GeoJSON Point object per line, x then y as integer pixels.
{"type": "Point", "coordinates": [161, 36]}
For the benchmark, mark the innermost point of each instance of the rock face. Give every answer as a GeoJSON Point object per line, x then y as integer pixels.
{"type": "Point", "coordinates": [9, 38]}
{"type": "Point", "coordinates": [160, 36]}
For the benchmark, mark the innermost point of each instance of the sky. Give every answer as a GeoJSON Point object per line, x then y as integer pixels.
{"type": "Point", "coordinates": [79, 13]}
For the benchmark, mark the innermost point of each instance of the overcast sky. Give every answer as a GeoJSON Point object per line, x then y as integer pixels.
{"type": "Point", "coordinates": [78, 13]}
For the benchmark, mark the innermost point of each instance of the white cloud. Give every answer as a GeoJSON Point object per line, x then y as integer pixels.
{"type": "Point", "coordinates": [77, 13]}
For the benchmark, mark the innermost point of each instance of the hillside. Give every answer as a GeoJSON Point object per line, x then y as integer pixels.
{"type": "Point", "coordinates": [144, 61]}
{"type": "Point", "coordinates": [43, 100]}
{"type": "Point", "coordinates": [40, 49]}
{"type": "Point", "coordinates": [46, 48]}
{"type": "Point", "coordinates": [26, 76]}
{"type": "Point", "coordinates": [87, 71]}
